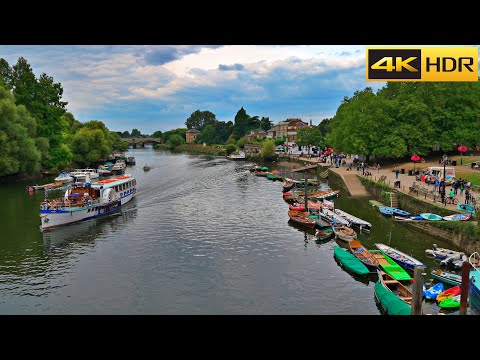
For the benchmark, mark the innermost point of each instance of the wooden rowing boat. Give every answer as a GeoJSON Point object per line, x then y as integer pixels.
{"type": "Point", "coordinates": [301, 218]}
{"type": "Point", "coordinates": [344, 233]}
{"type": "Point", "coordinates": [365, 256]}
{"type": "Point", "coordinates": [390, 267]}
{"type": "Point", "coordinates": [402, 259]}
{"type": "Point", "coordinates": [396, 287]}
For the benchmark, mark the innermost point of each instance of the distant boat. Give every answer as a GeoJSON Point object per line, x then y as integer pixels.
{"type": "Point", "coordinates": [353, 220]}
{"type": "Point", "coordinates": [130, 160]}
{"type": "Point", "coordinates": [64, 177]}
{"type": "Point", "coordinates": [349, 261]}
{"type": "Point", "coordinates": [431, 217]}
{"type": "Point", "coordinates": [404, 260]}
{"type": "Point", "coordinates": [240, 156]}
{"type": "Point", "coordinates": [447, 277]}
{"type": "Point", "coordinates": [400, 212]}
{"type": "Point", "coordinates": [146, 167]}
{"type": "Point", "coordinates": [301, 218]}
{"type": "Point", "coordinates": [457, 217]}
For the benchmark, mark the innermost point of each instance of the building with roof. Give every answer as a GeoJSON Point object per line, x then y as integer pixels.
{"type": "Point", "coordinates": [191, 135]}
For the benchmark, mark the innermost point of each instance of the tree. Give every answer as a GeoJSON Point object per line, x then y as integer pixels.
{"type": "Point", "coordinates": [5, 74]}
{"type": "Point", "coordinates": [200, 119]}
{"type": "Point", "coordinates": [268, 150]}
{"type": "Point", "coordinates": [19, 153]}
{"type": "Point", "coordinates": [280, 141]}
{"type": "Point", "coordinates": [230, 148]}
{"type": "Point", "coordinates": [265, 123]}
{"type": "Point", "coordinates": [157, 134]}
{"type": "Point", "coordinates": [117, 142]}
{"type": "Point", "coordinates": [244, 123]}
{"type": "Point", "coordinates": [310, 137]}
{"type": "Point", "coordinates": [180, 131]}
{"type": "Point", "coordinates": [241, 143]}
{"type": "Point", "coordinates": [324, 126]}
{"type": "Point", "coordinates": [231, 140]}
{"type": "Point", "coordinates": [92, 143]}
{"type": "Point", "coordinates": [125, 134]}
{"type": "Point", "coordinates": [24, 83]}
{"type": "Point", "coordinates": [136, 133]}
{"type": "Point", "coordinates": [174, 141]}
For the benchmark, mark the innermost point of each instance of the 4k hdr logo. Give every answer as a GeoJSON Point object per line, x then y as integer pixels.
{"type": "Point", "coordinates": [425, 64]}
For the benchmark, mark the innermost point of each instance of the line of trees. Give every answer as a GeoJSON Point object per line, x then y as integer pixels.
{"type": "Point", "coordinates": [37, 132]}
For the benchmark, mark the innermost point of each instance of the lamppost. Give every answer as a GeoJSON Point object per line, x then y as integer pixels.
{"type": "Point", "coordinates": [444, 190]}
{"type": "Point", "coordinates": [462, 148]}
{"type": "Point", "coordinates": [414, 158]}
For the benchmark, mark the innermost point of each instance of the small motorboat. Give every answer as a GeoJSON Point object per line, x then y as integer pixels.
{"type": "Point", "coordinates": [146, 167]}
{"type": "Point", "coordinates": [447, 277]}
{"type": "Point", "coordinates": [432, 292]}
{"type": "Point", "coordinates": [440, 253]}
{"type": "Point", "coordinates": [64, 177]}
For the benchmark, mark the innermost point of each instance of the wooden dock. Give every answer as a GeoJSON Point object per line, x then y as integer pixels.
{"type": "Point", "coordinates": [305, 168]}
{"type": "Point", "coordinates": [375, 203]}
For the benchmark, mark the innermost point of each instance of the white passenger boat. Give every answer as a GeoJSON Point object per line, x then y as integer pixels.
{"type": "Point", "coordinates": [240, 156]}
{"type": "Point", "coordinates": [362, 224]}
{"type": "Point", "coordinates": [119, 167]}
{"type": "Point", "coordinates": [87, 201]}
{"type": "Point", "coordinates": [329, 215]}
{"type": "Point", "coordinates": [64, 177]}
{"type": "Point", "coordinates": [84, 174]}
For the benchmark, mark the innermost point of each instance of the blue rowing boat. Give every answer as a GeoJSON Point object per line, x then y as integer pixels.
{"type": "Point", "coordinates": [385, 210]}
{"type": "Point", "coordinates": [402, 259]}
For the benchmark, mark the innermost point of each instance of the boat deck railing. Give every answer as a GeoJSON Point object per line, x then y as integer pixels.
{"type": "Point", "coordinates": [61, 205]}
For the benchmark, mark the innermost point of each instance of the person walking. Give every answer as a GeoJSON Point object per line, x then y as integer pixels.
{"type": "Point", "coordinates": [451, 195]}
{"type": "Point", "coordinates": [442, 194]}
{"type": "Point", "coordinates": [435, 184]}
{"type": "Point", "coordinates": [456, 187]}
{"type": "Point", "coordinates": [396, 172]}
{"type": "Point", "coordinates": [467, 196]}
{"type": "Point", "coordinates": [462, 187]}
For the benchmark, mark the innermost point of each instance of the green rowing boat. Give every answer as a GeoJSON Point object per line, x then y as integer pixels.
{"type": "Point", "coordinates": [390, 302]}
{"type": "Point", "coordinates": [390, 266]}
{"type": "Point", "coordinates": [349, 261]}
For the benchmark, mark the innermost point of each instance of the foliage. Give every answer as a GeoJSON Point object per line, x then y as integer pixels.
{"type": "Point", "coordinates": [200, 119]}
{"type": "Point", "coordinates": [125, 134]}
{"type": "Point", "coordinates": [310, 136]}
{"type": "Point", "coordinates": [136, 133]}
{"type": "Point", "coordinates": [117, 142]}
{"type": "Point", "coordinates": [180, 131]}
{"type": "Point", "coordinates": [241, 143]}
{"type": "Point", "coordinates": [268, 150]}
{"type": "Point", "coordinates": [324, 126]}
{"type": "Point", "coordinates": [244, 123]}
{"type": "Point", "coordinates": [230, 148]}
{"type": "Point", "coordinates": [19, 153]}
{"type": "Point", "coordinates": [92, 143]}
{"type": "Point", "coordinates": [231, 140]}
{"type": "Point", "coordinates": [280, 141]}
{"type": "Point", "coordinates": [157, 134]}
{"type": "Point", "coordinates": [174, 141]}
{"type": "Point", "coordinates": [265, 123]}
{"type": "Point", "coordinates": [214, 133]}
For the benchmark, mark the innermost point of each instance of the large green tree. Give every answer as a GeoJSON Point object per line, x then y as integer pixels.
{"type": "Point", "coordinates": [200, 120]}
{"type": "Point", "coordinates": [244, 123]}
{"type": "Point", "coordinates": [136, 133]}
{"type": "Point", "coordinates": [92, 143]}
{"type": "Point", "coordinates": [308, 136]}
{"type": "Point", "coordinates": [265, 123]}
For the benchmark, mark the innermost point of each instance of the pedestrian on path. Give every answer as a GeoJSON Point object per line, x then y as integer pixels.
{"type": "Point", "coordinates": [462, 187]}
{"type": "Point", "coordinates": [435, 184]}
{"type": "Point", "coordinates": [396, 173]}
{"type": "Point", "coordinates": [451, 195]}
{"type": "Point", "coordinates": [467, 196]}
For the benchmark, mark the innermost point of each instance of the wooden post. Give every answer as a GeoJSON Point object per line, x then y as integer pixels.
{"type": "Point", "coordinates": [417, 290]}
{"type": "Point", "coordinates": [306, 193]}
{"type": "Point", "coordinates": [464, 288]}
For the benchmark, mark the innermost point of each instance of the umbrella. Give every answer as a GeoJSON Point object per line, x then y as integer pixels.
{"type": "Point", "coordinates": [415, 157]}
{"type": "Point", "coordinates": [462, 148]}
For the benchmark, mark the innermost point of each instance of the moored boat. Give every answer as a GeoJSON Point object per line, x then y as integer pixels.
{"type": "Point", "coordinates": [64, 177]}
{"type": "Point", "coordinates": [344, 233]}
{"type": "Point", "coordinates": [404, 260]}
{"type": "Point", "coordinates": [447, 277]}
{"type": "Point", "coordinates": [86, 201]}
{"type": "Point", "coordinates": [431, 217]}
{"type": "Point", "coordinates": [240, 156]}
{"type": "Point", "coordinates": [130, 160]}
{"type": "Point", "coordinates": [400, 212]}
{"type": "Point", "coordinates": [301, 218]}
{"type": "Point", "coordinates": [324, 233]}
{"type": "Point", "coordinates": [297, 206]}
{"type": "Point", "coordinates": [390, 266]}
{"type": "Point", "coordinates": [432, 292]}
{"type": "Point", "coordinates": [353, 220]}
{"type": "Point", "coordinates": [329, 215]}
{"type": "Point", "coordinates": [474, 284]}
{"type": "Point", "coordinates": [365, 256]}
{"type": "Point", "coordinates": [453, 291]}
{"type": "Point", "coordinates": [450, 303]}
{"type": "Point", "coordinates": [349, 261]}
{"type": "Point", "coordinates": [441, 253]}
{"type": "Point", "coordinates": [385, 210]}
{"type": "Point", "coordinates": [84, 174]}
{"type": "Point", "coordinates": [396, 287]}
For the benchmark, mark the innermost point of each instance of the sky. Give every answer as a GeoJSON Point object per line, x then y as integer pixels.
{"type": "Point", "coordinates": [157, 87]}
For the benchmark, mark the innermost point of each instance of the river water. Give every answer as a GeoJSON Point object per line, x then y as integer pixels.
{"type": "Point", "coordinates": [202, 236]}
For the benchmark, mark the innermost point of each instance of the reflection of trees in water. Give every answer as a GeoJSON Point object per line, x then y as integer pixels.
{"type": "Point", "coordinates": [85, 232]}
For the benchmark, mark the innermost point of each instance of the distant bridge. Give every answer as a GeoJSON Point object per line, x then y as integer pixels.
{"type": "Point", "coordinates": [142, 141]}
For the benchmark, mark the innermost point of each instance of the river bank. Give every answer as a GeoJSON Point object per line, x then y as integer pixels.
{"type": "Point", "coordinates": [195, 149]}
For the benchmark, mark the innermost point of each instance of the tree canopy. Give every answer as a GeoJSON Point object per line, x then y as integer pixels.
{"type": "Point", "coordinates": [200, 120]}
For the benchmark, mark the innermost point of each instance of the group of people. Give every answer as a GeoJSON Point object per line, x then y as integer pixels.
{"type": "Point", "coordinates": [462, 185]}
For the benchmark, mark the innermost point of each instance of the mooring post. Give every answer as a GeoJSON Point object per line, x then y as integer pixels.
{"type": "Point", "coordinates": [306, 192]}
{"type": "Point", "coordinates": [417, 290]}
{"type": "Point", "coordinates": [464, 288]}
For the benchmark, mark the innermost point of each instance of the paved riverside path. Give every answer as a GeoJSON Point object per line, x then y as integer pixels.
{"type": "Point", "coordinates": [357, 189]}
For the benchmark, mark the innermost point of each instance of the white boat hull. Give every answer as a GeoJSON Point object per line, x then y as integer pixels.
{"type": "Point", "coordinates": [52, 218]}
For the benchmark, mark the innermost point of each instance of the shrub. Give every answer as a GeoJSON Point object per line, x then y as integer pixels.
{"type": "Point", "coordinates": [230, 148]}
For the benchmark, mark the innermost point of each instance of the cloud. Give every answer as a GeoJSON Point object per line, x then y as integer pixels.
{"type": "Point", "coordinates": [237, 67]}
{"type": "Point", "coordinates": [163, 54]}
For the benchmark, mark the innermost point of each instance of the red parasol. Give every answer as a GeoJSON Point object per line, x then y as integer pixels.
{"type": "Point", "coordinates": [415, 157]}
{"type": "Point", "coordinates": [462, 148]}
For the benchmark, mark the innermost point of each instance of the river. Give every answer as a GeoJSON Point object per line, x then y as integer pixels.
{"type": "Point", "coordinates": [202, 236]}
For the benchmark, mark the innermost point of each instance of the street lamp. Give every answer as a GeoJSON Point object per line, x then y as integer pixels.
{"type": "Point", "coordinates": [462, 148]}
{"type": "Point", "coordinates": [444, 190]}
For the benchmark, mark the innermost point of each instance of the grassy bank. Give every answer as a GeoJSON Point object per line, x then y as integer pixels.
{"type": "Point", "coordinates": [196, 149]}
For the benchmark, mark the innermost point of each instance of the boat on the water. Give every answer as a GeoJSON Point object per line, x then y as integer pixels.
{"type": "Point", "coordinates": [400, 291]}
{"type": "Point", "coordinates": [324, 233]}
{"type": "Point", "coordinates": [447, 277]}
{"type": "Point", "coordinates": [64, 177]}
{"type": "Point", "coordinates": [404, 260]}
{"type": "Point", "coordinates": [240, 156]}
{"type": "Point", "coordinates": [407, 218]}
{"type": "Point", "coordinates": [297, 206]}
{"type": "Point", "coordinates": [432, 292]}
{"type": "Point", "coordinates": [349, 261]}
{"type": "Point", "coordinates": [146, 167]}
{"type": "Point", "coordinates": [457, 217]}
{"type": "Point", "coordinates": [386, 210]}
{"type": "Point", "coordinates": [301, 218]}
{"type": "Point", "coordinates": [353, 220]}
{"type": "Point", "coordinates": [390, 266]}
{"type": "Point", "coordinates": [84, 174]}
{"type": "Point", "coordinates": [329, 215]}
{"type": "Point", "coordinates": [344, 233]}
{"type": "Point", "coordinates": [453, 291]}
{"type": "Point", "coordinates": [431, 217]}
{"type": "Point", "coordinates": [441, 253]}
{"type": "Point", "coordinates": [119, 167]}
{"type": "Point", "coordinates": [450, 303]}
{"type": "Point", "coordinates": [365, 256]}
{"type": "Point", "coordinates": [87, 201]}
{"type": "Point", "coordinates": [130, 160]}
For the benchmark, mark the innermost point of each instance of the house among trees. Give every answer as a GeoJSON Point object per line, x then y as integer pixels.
{"type": "Point", "coordinates": [191, 135]}
{"type": "Point", "coordinates": [256, 134]}
{"type": "Point", "coordinates": [287, 129]}
{"type": "Point", "coordinates": [252, 148]}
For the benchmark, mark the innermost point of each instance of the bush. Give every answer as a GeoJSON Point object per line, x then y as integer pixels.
{"type": "Point", "coordinates": [230, 148]}
{"type": "Point", "coordinates": [241, 143]}
{"type": "Point", "coordinates": [268, 150]}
